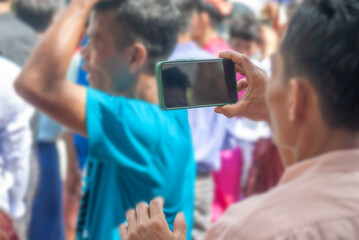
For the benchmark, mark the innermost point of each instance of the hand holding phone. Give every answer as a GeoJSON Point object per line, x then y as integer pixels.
{"type": "Point", "coordinates": [252, 104]}
{"type": "Point", "coordinates": [196, 83]}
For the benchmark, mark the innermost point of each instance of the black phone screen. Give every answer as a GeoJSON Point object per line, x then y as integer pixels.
{"type": "Point", "coordinates": [191, 84]}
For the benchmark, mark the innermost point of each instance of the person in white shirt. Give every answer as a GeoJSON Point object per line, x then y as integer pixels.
{"type": "Point", "coordinates": [15, 143]}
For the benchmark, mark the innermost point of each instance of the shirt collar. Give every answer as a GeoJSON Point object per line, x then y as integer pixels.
{"type": "Point", "coordinates": [186, 45]}
{"type": "Point", "coordinates": [332, 162]}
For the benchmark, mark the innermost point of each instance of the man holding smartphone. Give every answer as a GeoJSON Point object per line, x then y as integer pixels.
{"type": "Point", "coordinates": [312, 104]}
{"type": "Point", "coordinates": [137, 151]}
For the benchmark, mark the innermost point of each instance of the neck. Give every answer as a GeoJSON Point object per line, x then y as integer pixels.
{"type": "Point", "coordinates": [5, 7]}
{"type": "Point", "coordinates": [184, 38]}
{"type": "Point", "coordinates": [334, 140]}
{"type": "Point", "coordinates": [146, 89]}
{"type": "Point", "coordinates": [129, 93]}
{"type": "Point", "coordinates": [209, 35]}
{"type": "Point", "coordinates": [130, 89]}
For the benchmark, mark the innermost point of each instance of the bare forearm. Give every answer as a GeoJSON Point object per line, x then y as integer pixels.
{"type": "Point", "coordinates": [42, 81]}
{"type": "Point", "coordinates": [49, 61]}
{"type": "Point", "coordinates": [73, 176]}
{"type": "Point", "coordinates": [72, 166]}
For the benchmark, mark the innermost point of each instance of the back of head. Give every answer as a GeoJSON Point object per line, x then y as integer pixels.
{"type": "Point", "coordinates": [246, 27]}
{"type": "Point", "coordinates": [186, 9]}
{"type": "Point", "coordinates": [293, 5]}
{"type": "Point", "coordinates": [154, 23]}
{"type": "Point", "coordinates": [37, 13]}
{"type": "Point", "coordinates": [322, 45]}
{"type": "Point", "coordinates": [215, 15]}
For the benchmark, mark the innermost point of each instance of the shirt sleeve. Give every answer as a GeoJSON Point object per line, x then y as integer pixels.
{"type": "Point", "coordinates": [119, 130]}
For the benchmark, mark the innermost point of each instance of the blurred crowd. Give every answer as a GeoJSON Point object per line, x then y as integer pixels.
{"type": "Point", "coordinates": [70, 172]}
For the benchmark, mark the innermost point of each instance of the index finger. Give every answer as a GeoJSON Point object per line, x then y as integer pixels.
{"type": "Point", "coordinates": [241, 61]}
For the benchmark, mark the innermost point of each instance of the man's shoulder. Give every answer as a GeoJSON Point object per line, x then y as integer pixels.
{"type": "Point", "coordinates": [114, 103]}
{"type": "Point", "coordinates": [133, 109]}
{"type": "Point", "coordinates": [289, 207]}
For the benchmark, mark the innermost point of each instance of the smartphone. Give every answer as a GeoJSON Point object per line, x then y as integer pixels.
{"type": "Point", "coordinates": [187, 84]}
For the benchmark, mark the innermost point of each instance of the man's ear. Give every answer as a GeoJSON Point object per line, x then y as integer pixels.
{"type": "Point", "coordinates": [298, 99]}
{"type": "Point", "coordinates": [137, 57]}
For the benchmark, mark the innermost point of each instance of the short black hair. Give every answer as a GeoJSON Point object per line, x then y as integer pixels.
{"type": "Point", "coordinates": [322, 44]}
{"type": "Point", "coordinates": [246, 27]}
{"type": "Point", "coordinates": [215, 15]}
{"type": "Point", "coordinates": [154, 23]}
{"type": "Point", "coordinates": [293, 5]}
{"type": "Point", "coordinates": [186, 8]}
{"type": "Point", "coordinates": [38, 14]}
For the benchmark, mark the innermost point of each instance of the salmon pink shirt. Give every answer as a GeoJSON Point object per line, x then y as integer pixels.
{"type": "Point", "coordinates": [316, 199]}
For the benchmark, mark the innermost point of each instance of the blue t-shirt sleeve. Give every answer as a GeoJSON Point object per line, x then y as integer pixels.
{"type": "Point", "coordinates": [120, 130]}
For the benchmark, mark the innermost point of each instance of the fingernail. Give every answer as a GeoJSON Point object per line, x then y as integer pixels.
{"type": "Point", "coordinates": [180, 214]}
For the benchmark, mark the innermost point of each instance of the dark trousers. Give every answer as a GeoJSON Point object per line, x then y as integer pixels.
{"type": "Point", "coordinates": [47, 212]}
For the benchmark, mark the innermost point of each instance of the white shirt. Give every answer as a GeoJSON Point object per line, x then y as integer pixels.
{"type": "Point", "coordinates": [15, 142]}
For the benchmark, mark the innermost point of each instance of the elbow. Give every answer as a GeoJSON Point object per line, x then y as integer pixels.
{"type": "Point", "coordinates": [37, 87]}
{"type": "Point", "coordinates": [23, 88]}
{"type": "Point", "coordinates": [27, 87]}
{"type": "Point", "coordinates": [20, 86]}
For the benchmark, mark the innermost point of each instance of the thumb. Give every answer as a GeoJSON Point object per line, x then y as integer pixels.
{"type": "Point", "coordinates": [180, 227]}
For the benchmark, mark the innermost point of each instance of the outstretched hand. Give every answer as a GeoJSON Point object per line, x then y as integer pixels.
{"type": "Point", "coordinates": [149, 223]}
{"type": "Point", "coordinates": [252, 105]}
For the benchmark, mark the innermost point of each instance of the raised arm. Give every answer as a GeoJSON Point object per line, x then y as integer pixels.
{"type": "Point", "coordinates": [42, 81]}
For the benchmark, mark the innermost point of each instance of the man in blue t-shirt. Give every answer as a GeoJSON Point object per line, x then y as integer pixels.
{"type": "Point", "coordinates": [137, 151]}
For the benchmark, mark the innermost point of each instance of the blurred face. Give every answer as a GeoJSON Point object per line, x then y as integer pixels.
{"type": "Point", "coordinates": [194, 24]}
{"type": "Point", "coordinates": [200, 23]}
{"type": "Point", "coordinates": [277, 97]}
{"type": "Point", "coordinates": [246, 47]}
{"type": "Point", "coordinates": [107, 67]}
